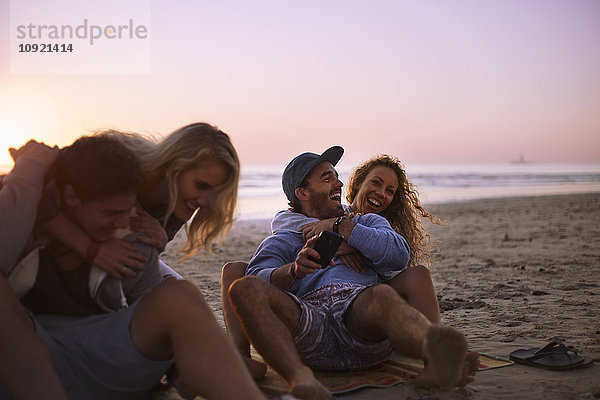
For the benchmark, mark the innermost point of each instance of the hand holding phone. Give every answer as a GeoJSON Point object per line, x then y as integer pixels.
{"type": "Point", "coordinates": [326, 245]}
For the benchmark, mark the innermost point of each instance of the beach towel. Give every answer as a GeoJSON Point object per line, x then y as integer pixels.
{"type": "Point", "coordinates": [396, 369]}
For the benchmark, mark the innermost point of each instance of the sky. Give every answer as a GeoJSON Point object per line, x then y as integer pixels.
{"type": "Point", "coordinates": [457, 81]}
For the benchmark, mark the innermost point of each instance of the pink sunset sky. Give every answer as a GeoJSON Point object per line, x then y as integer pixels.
{"type": "Point", "coordinates": [464, 81]}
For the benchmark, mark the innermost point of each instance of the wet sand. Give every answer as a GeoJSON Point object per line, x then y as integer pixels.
{"type": "Point", "coordinates": [510, 273]}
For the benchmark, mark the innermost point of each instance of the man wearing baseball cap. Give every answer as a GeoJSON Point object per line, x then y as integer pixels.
{"type": "Point", "coordinates": [299, 315]}
{"type": "Point", "coordinates": [297, 170]}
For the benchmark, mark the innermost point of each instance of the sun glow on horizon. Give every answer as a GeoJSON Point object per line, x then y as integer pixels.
{"type": "Point", "coordinates": [25, 114]}
{"type": "Point", "coordinates": [15, 133]}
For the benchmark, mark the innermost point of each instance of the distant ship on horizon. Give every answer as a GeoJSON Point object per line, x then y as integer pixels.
{"type": "Point", "coordinates": [521, 160]}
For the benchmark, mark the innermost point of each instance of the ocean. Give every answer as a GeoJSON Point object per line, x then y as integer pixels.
{"type": "Point", "coordinates": [261, 196]}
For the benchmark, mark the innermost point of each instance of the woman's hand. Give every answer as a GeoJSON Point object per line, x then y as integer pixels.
{"type": "Point", "coordinates": [145, 224]}
{"type": "Point", "coordinates": [351, 257]}
{"type": "Point", "coordinates": [119, 259]}
{"type": "Point", "coordinates": [348, 254]}
{"type": "Point", "coordinates": [354, 261]}
{"type": "Point", "coordinates": [315, 228]}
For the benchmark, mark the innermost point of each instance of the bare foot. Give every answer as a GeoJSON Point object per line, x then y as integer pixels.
{"type": "Point", "coordinates": [445, 351]}
{"type": "Point", "coordinates": [426, 379]}
{"type": "Point", "coordinates": [257, 369]}
{"type": "Point", "coordinates": [307, 387]}
{"type": "Point", "coordinates": [470, 369]}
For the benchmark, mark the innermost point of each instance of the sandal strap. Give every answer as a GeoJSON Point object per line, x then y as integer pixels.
{"type": "Point", "coordinates": [553, 348]}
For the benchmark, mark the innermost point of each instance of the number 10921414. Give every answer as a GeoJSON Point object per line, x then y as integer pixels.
{"type": "Point", "coordinates": [45, 48]}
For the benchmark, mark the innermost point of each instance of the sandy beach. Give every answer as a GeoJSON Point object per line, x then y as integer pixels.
{"type": "Point", "coordinates": [510, 273]}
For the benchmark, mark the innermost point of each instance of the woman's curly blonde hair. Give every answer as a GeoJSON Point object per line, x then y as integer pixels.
{"type": "Point", "coordinates": [404, 212]}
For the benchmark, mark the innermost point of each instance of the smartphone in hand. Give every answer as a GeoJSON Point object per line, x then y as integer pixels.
{"type": "Point", "coordinates": [326, 245]}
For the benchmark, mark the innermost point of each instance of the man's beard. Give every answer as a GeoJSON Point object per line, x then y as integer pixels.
{"type": "Point", "coordinates": [320, 202]}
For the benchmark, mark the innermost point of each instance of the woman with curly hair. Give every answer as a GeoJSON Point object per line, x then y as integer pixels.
{"type": "Point", "coordinates": [378, 186]}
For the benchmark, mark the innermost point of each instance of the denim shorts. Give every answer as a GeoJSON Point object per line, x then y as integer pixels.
{"type": "Point", "coordinates": [322, 338]}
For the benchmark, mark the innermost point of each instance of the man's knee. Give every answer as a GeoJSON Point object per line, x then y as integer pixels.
{"type": "Point", "coordinates": [232, 271]}
{"type": "Point", "coordinates": [253, 297]}
{"type": "Point", "coordinates": [175, 296]}
{"type": "Point", "coordinates": [381, 293]}
{"type": "Point", "coordinates": [381, 298]}
{"type": "Point", "coordinates": [178, 288]}
{"type": "Point", "coordinates": [249, 289]}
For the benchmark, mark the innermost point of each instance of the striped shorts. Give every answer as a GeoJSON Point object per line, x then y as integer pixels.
{"type": "Point", "coordinates": [322, 338]}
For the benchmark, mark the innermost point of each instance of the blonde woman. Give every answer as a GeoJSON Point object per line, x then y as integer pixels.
{"type": "Point", "coordinates": [190, 179]}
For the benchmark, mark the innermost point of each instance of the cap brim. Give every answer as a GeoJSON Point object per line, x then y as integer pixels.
{"type": "Point", "coordinates": [332, 154]}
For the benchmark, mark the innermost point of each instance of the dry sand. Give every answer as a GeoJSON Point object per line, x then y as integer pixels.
{"type": "Point", "coordinates": [510, 273]}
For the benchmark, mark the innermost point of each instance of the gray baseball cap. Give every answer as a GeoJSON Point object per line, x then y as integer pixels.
{"type": "Point", "coordinates": [301, 165]}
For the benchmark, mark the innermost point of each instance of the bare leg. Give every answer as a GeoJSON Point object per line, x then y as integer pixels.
{"type": "Point", "coordinates": [174, 320]}
{"type": "Point", "coordinates": [415, 286]}
{"type": "Point", "coordinates": [269, 317]}
{"type": "Point", "coordinates": [231, 272]}
{"type": "Point", "coordinates": [379, 312]}
{"type": "Point", "coordinates": [25, 358]}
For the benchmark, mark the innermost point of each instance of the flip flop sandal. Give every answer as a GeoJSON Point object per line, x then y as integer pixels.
{"type": "Point", "coordinates": [555, 356]}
